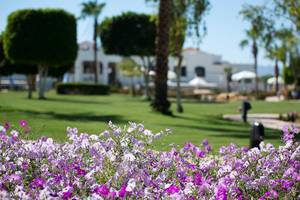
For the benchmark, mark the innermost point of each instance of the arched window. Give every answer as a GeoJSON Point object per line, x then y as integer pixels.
{"type": "Point", "coordinates": [200, 71]}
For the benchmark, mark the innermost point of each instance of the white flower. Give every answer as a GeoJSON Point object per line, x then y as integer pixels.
{"type": "Point", "coordinates": [148, 133]}
{"type": "Point", "coordinates": [2, 129]}
{"type": "Point", "coordinates": [111, 156]}
{"type": "Point", "coordinates": [129, 157]}
{"type": "Point", "coordinates": [14, 133]}
{"type": "Point", "coordinates": [167, 185]}
{"type": "Point", "coordinates": [85, 143]}
{"type": "Point", "coordinates": [188, 188]}
{"type": "Point", "coordinates": [130, 185]}
{"type": "Point", "coordinates": [94, 137]}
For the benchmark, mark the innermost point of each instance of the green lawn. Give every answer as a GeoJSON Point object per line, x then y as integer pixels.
{"type": "Point", "coordinates": [91, 113]}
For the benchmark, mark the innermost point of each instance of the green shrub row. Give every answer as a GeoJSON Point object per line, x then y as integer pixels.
{"type": "Point", "coordinates": [82, 88]}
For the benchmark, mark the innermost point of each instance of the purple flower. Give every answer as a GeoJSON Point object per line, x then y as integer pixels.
{"type": "Point", "coordinates": [23, 123]}
{"type": "Point", "coordinates": [205, 142]}
{"type": "Point", "coordinates": [37, 183]}
{"type": "Point", "coordinates": [269, 195]}
{"type": "Point", "coordinates": [102, 190]}
{"type": "Point", "coordinates": [67, 194]}
{"type": "Point", "coordinates": [16, 178]}
{"type": "Point", "coordinates": [172, 190]}
{"type": "Point", "coordinates": [200, 153]}
{"type": "Point", "coordinates": [198, 179]}
{"type": "Point", "coordinates": [122, 191]}
{"type": "Point", "coordinates": [6, 126]}
{"type": "Point", "coordinates": [221, 193]}
{"type": "Point", "coordinates": [289, 133]}
{"type": "Point", "coordinates": [286, 184]}
{"type": "Point", "coordinates": [80, 172]}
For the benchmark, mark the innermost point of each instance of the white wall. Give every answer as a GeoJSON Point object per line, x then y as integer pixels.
{"type": "Point", "coordinates": [192, 58]}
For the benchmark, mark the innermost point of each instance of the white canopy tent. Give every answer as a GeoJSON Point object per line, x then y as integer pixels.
{"type": "Point", "coordinates": [171, 74]}
{"type": "Point", "coordinates": [199, 82]}
{"type": "Point", "coordinates": [272, 80]}
{"type": "Point", "coordinates": [243, 75]}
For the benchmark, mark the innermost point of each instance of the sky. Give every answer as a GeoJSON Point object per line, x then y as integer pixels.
{"type": "Point", "coordinates": [225, 28]}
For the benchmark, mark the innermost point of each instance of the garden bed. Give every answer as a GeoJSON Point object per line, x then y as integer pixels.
{"type": "Point", "coordinates": [120, 164]}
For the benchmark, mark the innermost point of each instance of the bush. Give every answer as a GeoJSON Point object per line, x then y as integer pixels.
{"type": "Point", "coordinates": [120, 164]}
{"type": "Point", "coordinates": [41, 36]}
{"type": "Point", "coordinates": [82, 88]}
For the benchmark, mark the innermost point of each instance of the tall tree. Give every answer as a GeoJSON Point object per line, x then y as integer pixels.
{"type": "Point", "coordinates": [31, 38]}
{"type": "Point", "coordinates": [228, 73]}
{"type": "Point", "coordinates": [254, 35]}
{"type": "Point", "coordinates": [93, 9]}
{"type": "Point", "coordinates": [290, 10]}
{"type": "Point", "coordinates": [186, 19]}
{"type": "Point", "coordinates": [278, 44]}
{"type": "Point", "coordinates": [289, 13]}
{"type": "Point", "coordinates": [160, 102]}
{"type": "Point", "coordinates": [131, 34]}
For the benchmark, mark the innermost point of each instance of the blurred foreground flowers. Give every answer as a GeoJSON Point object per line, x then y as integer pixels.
{"type": "Point", "coordinates": [120, 164]}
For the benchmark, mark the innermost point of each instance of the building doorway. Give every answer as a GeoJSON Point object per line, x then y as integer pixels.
{"type": "Point", "coordinates": [112, 73]}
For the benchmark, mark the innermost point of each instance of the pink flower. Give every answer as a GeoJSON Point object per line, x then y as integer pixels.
{"type": "Point", "coordinates": [172, 189]}
{"type": "Point", "coordinates": [198, 179]}
{"type": "Point", "coordinates": [6, 125]}
{"type": "Point", "coordinates": [23, 123]}
{"type": "Point", "coordinates": [122, 191]}
{"type": "Point", "coordinates": [102, 190]}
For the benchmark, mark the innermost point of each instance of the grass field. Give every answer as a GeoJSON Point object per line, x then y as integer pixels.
{"type": "Point", "coordinates": [91, 113]}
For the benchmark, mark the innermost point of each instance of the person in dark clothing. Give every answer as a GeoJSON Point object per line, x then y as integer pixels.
{"type": "Point", "coordinates": [246, 106]}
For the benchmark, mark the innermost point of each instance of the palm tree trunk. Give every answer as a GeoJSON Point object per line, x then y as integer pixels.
{"type": "Point", "coordinates": [228, 84]}
{"type": "Point", "coordinates": [178, 88]}
{"type": "Point", "coordinates": [95, 51]}
{"type": "Point", "coordinates": [276, 76]}
{"type": "Point", "coordinates": [161, 103]}
{"type": "Point", "coordinates": [255, 52]}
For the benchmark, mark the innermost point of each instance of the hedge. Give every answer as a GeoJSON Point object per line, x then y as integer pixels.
{"type": "Point", "coordinates": [82, 88]}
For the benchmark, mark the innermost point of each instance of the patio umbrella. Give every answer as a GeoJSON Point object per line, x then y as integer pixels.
{"type": "Point", "coordinates": [272, 80]}
{"type": "Point", "coordinates": [243, 75]}
{"type": "Point", "coordinates": [171, 74]}
{"type": "Point", "coordinates": [200, 82]}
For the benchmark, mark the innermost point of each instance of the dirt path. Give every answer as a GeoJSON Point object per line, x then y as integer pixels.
{"type": "Point", "coordinates": [268, 120]}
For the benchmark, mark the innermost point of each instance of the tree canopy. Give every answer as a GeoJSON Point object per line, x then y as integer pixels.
{"type": "Point", "coordinates": [129, 34]}
{"type": "Point", "coordinates": [91, 9]}
{"type": "Point", "coordinates": [129, 67]}
{"type": "Point", "coordinates": [41, 36]}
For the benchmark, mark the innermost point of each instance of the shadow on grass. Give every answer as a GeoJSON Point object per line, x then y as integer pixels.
{"type": "Point", "coordinates": [224, 128]}
{"type": "Point", "coordinates": [83, 117]}
{"type": "Point", "coordinates": [74, 101]}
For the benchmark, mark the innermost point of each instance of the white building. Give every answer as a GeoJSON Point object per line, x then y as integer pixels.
{"type": "Point", "coordinates": [195, 62]}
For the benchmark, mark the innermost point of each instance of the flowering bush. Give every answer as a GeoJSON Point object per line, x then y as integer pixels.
{"type": "Point", "coordinates": [120, 164]}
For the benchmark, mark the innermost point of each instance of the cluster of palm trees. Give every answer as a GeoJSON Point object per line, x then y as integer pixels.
{"type": "Point", "coordinates": [274, 27]}
{"type": "Point", "coordinates": [177, 17]}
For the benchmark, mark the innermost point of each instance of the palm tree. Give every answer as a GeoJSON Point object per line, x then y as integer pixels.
{"type": "Point", "coordinates": [228, 73]}
{"type": "Point", "coordinates": [187, 16]}
{"type": "Point", "coordinates": [93, 9]}
{"type": "Point", "coordinates": [160, 102]}
{"type": "Point", "coordinates": [254, 35]}
{"type": "Point", "coordinates": [177, 38]}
